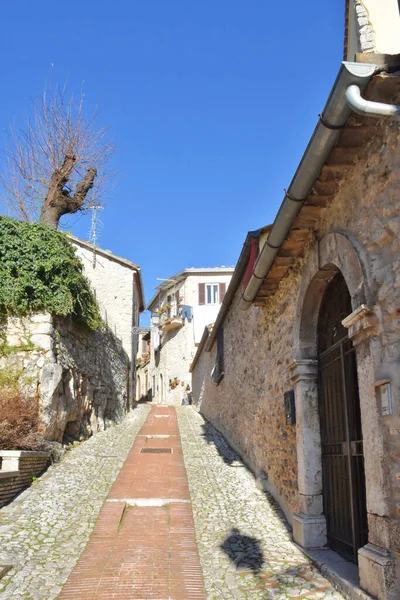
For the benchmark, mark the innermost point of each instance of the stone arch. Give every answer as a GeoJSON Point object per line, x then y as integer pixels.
{"type": "Point", "coordinates": [335, 252]}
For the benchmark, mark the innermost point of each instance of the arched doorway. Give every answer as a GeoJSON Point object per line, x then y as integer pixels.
{"type": "Point", "coordinates": [343, 475]}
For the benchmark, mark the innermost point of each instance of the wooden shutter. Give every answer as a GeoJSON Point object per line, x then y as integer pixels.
{"type": "Point", "coordinates": [222, 291]}
{"type": "Point", "coordinates": [202, 293]}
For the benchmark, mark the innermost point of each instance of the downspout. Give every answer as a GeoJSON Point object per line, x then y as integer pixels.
{"type": "Point", "coordinates": [325, 136]}
{"type": "Point", "coordinates": [368, 108]}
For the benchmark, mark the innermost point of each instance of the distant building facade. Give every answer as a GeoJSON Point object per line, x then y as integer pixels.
{"type": "Point", "coordinates": [181, 308]}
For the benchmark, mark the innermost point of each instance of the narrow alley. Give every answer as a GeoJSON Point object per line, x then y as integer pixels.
{"type": "Point", "coordinates": [182, 519]}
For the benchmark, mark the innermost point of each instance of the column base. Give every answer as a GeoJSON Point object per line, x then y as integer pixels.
{"type": "Point", "coordinates": [377, 572]}
{"type": "Point", "coordinates": [309, 531]}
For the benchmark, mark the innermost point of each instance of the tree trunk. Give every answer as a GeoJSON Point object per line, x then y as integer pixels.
{"type": "Point", "coordinates": [59, 201]}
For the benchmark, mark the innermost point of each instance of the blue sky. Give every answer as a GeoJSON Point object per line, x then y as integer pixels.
{"type": "Point", "coordinates": [211, 104]}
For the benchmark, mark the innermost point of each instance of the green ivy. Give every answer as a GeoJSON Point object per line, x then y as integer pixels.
{"type": "Point", "coordinates": [40, 272]}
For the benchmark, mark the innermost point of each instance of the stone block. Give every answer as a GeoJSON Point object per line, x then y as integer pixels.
{"type": "Point", "coordinates": [309, 531]}
{"type": "Point", "coordinates": [42, 340]}
{"type": "Point", "coordinates": [41, 318]}
{"type": "Point", "coordinates": [377, 570]}
{"type": "Point", "coordinates": [311, 505]}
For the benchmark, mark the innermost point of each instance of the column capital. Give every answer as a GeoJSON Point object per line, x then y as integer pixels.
{"type": "Point", "coordinates": [362, 324]}
{"type": "Point", "coordinates": [303, 370]}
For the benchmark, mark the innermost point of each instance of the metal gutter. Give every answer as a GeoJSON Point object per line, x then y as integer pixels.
{"type": "Point", "coordinates": [368, 108]}
{"type": "Point", "coordinates": [324, 138]}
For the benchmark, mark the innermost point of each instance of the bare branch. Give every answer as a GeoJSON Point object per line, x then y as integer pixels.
{"type": "Point", "coordinates": [58, 163]}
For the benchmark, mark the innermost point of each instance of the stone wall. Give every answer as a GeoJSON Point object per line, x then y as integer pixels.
{"type": "Point", "coordinates": [372, 26]}
{"type": "Point", "coordinates": [114, 286]}
{"type": "Point", "coordinates": [80, 377]}
{"type": "Point", "coordinates": [178, 346]}
{"type": "Point", "coordinates": [260, 344]}
{"type": "Point", "coordinates": [17, 468]}
{"type": "Point", "coordinates": [247, 406]}
{"type": "Point", "coordinates": [172, 361]}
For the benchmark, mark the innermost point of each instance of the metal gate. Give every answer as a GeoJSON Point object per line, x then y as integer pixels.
{"type": "Point", "coordinates": [340, 419]}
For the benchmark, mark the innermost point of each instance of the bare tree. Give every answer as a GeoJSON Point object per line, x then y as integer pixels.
{"type": "Point", "coordinates": [58, 163]}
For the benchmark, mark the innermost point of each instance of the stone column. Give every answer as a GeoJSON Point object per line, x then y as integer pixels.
{"type": "Point", "coordinates": [309, 526]}
{"type": "Point", "coordinates": [376, 562]}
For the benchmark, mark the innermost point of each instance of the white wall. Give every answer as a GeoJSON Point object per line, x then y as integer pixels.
{"type": "Point", "coordinates": [114, 288]}
{"type": "Point", "coordinates": [374, 26]}
{"type": "Point", "coordinates": [205, 314]}
{"type": "Point", "coordinates": [179, 345]}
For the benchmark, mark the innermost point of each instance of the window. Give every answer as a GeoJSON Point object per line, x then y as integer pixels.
{"type": "Point", "coordinates": [211, 293]}
{"type": "Point", "coordinates": [218, 372]}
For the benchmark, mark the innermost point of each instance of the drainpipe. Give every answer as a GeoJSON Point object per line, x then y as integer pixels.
{"type": "Point", "coordinates": [324, 138]}
{"type": "Point", "coordinates": [367, 108]}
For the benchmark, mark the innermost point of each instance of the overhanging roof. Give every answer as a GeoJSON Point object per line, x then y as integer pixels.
{"type": "Point", "coordinates": [353, 137]}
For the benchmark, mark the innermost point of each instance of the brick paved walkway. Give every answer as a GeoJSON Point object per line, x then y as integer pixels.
{"type": "Point", "coordinates": [44, 531]}
{"type": "Point", "coordinates": [144, 545]}
{"type": "Point", "coordinates": [141, 543]}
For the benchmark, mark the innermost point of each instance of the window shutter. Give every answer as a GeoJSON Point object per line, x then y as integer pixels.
{"type": "Point", "coordinates": [202, 293]}
{"type": "Point", "coordinates": [222, 291]}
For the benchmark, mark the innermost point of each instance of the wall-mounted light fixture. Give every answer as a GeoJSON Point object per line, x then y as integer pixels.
{"type": "Point", "coordinates": [384, 395]}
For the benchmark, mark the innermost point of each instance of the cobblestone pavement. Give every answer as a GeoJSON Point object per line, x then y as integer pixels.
{"type": "Point", "coordinates": [245, 549]}
{"type": "Point", "coordinates": [43, 532]}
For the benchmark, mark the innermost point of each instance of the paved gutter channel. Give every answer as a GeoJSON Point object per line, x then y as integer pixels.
{"type": "Point", "coordinates": [44, 531]}
{"type": "Point", "coordinates": [245, 548]}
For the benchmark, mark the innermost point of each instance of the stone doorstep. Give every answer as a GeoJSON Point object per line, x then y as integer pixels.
{"type": "Point", "coordinates": [339, 571]}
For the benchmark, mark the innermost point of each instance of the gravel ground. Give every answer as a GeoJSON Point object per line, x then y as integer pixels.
{"type": "Point", "coordinates": [43, 532]}
{"type": "Point", "coordinates": [245, 548]}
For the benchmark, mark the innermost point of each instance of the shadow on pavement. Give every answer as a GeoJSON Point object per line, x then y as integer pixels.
{"type": "Point", "coordinates": [247, 556]}
{"type": "Point", "coordinates": [229, 456]}
{"type": "Point", "coordinates": [211, 435]}
{"type": "Point", "coordinates": [244, 551]}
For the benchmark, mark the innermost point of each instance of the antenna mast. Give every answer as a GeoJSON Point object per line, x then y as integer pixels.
{"type": "Point", "coordinates": [95, 229]}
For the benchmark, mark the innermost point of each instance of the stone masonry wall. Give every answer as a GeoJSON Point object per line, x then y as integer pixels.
{"type": "Point", "coordinates": [172, 360]}
{"type": "Point", "coordinates": [80, 377]}
{"type": "Point", "coordinates": [248, 404]}
{"type": "Point", "coordinates": [178, 347]}
{"type": "Point", "coordinates": [113, 284]}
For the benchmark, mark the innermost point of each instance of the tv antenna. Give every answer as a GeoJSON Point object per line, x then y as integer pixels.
{"type": "Point", "coordinates": [95, 229]}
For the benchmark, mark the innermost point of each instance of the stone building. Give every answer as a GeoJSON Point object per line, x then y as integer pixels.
{"type": "Point", "coordinates": [143, 390]}
{"type": "Point", "coordinates": [301, 371]}
{"type": "Point", "coordinates": [83, 379]}
{"type": "Point", "coordinates": [182, 306]}
{"type": "Point", "coordinates": [117, 283]}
